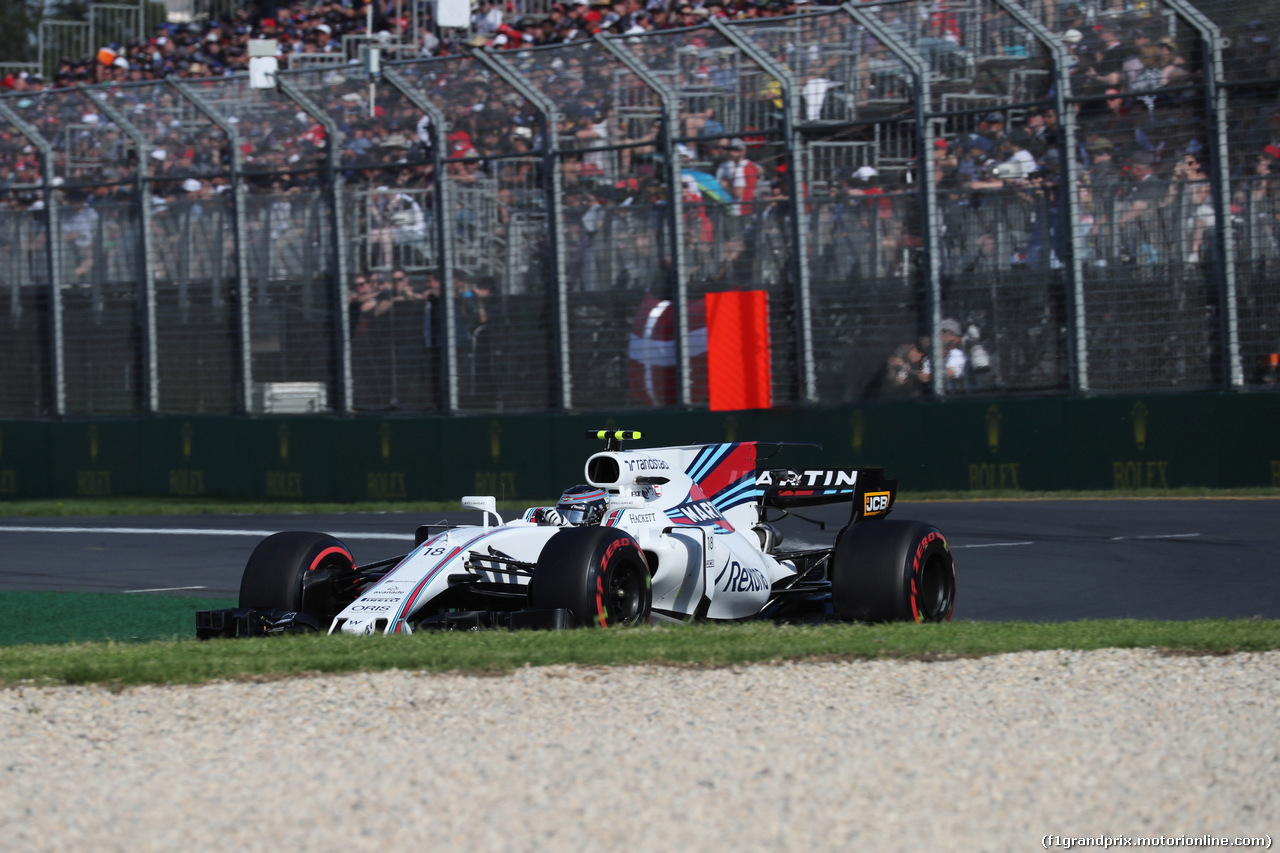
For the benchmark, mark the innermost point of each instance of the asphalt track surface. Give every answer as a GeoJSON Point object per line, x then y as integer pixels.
{"type": "Point", "coordinates": [1035, 560]}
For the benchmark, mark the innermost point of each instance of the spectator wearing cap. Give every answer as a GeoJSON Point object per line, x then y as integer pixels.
{"type": "Point", "coordinates": [954, 360]}
{"type": "Point", "coordinates": [324, 39]}
{"type": "Point", "coordinates": [740, 178]}
{"type": "Point", "coordinates": [1103, 173]}
{"type": "Point", "coordinates": [1019, 162]}
{"type": "Point", "coordinates": [991, 128]}
{"type": "Point", "coordinates": [1035, 129]}
{"type": "Point", "coordinates": [1146, 193]}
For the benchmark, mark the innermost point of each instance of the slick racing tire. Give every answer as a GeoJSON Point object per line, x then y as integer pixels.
{"type": "Point", "coordinates": [893, 571]}
{"type": "Point", "coordinates": [597, 573]}
{"type": "Point", "coordinates": [293, 571]}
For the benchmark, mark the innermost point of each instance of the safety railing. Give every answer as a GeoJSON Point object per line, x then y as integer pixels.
{"type": "Point", "coordinates": [976, 198]}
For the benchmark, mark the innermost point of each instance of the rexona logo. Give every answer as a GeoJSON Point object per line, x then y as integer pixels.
{"type": "Point", "coordinates": [810, 478]}
{"type": "Point", "coordinates": [875, 503]}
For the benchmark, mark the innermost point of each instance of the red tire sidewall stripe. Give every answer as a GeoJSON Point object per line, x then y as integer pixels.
{"type": "Point", "coordinates": [620, 542]}
{"type": "Point", "coordinates": [933, 536]}
{"type": "Point", "coordinates": [333, 549]}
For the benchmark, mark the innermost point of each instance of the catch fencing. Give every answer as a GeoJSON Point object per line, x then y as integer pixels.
{"type": "Point", "coordinates": [975, 198]}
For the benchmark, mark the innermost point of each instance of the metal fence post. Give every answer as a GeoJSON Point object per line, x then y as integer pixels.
{"type": "Point", "coordinates": [1077, 343]}
{"type": "Point", "coordinates": [444, 229]}
{"type": "Point", "coordinates": [53, 225]}
{"type": "Point", "coordinates": [150, 361]}
{"type": "Point", "coordinates": [796, 186]}
{"type": "Point", "coordinates": [555, 212]}
{"type": "Point", "coordinates": [239, 216]}
{"type": "Point", "coordinates": [333, 143]}
{"type": "Point", "coordinates": [1215, 95]}
{"type": "Point", "coordinates": [928, 183]}
{"type": "Point", "coordinates": [675, 218]}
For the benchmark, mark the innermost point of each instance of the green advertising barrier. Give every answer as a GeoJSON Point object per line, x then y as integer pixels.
{"type": "Point", "coordinates": [94, 459]}
{"type": "Point", "coordinates": [24, 460]}
{"type": "Point", "coordinates": [1113, 443]}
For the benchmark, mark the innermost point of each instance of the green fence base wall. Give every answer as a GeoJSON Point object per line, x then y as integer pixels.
{"type": "Point", "coordinates": [1023, 445]}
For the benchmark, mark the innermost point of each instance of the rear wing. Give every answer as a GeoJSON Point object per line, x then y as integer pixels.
{"type": "Point", "coordinates": [867, 489]}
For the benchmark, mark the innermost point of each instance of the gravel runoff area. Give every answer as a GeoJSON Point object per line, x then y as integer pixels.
{"type": "Point", "coordinates": [975, 754]}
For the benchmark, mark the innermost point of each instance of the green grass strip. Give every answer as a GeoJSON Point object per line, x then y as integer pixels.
{"type": "Point", "coordinates": [80, 617]}
{"type": "Point", "coordinates": [495, 652]}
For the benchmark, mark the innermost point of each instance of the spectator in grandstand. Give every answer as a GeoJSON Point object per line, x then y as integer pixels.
{"type": "Point", "coordinates": [940, 37]}
{"type": "Point", "coordinates": [1087, 223]}
{"type": "Point", "coordinates": [702, 120]}
{"type": "Point", "coordinates": [1172, 66]}
{"type": "Point", "coordinates": [1114, 121]}
{"type": "Point", "coordinates": [487, 18]}
{"type": "Point", "coordinates": [1019, 163]}
{"type": "Point", "coordinates": [1254, 57]}
{"type": "Point", "coordinates": [1107, 68]}
{"type": "Point", "coordinates": [402, 289]}
{"type": "Point", "coordinates": [362, 301]}
{"type": "Point", "coordinates": [1145, 196]}
{"type": "Point", "coordinates": [1040, 134]}
{"type": "Point", "coordinates": [954, 359]}
{"type": "Point", "coordinates": [1148, 78]}
{"type": "Point", "coordinates": [908, 370]}
{"type": "Point", "coordinates": [470, 311]}
{"type": "Point", "coordinates": [1197, 205]}
{"type": "Point", "coordinates": [739, 177]}
{"type": "Point", "coordinates": [1104, 175]}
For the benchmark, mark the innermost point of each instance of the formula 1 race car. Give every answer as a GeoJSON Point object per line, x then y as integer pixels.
{"type": "Point", "coordinates": [663, 534]}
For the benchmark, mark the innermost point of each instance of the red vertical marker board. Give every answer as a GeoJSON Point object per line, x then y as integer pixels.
{"type": "Point", "coordinates": [738, 375]}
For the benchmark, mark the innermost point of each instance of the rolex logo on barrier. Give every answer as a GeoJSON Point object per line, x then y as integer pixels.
{"type": "Point", "coordinates": [186, 481]}
{"type": "Point", "coordinates": [284, 484]}
{"type": "Point", "coordinates": [93, 482]}
{"type": "Point", "coordinates": [1139, 415]}
{"type": "Point", "coordinates": [857, 424]}
{"type": "Point", "coordinates": [730, 428]}
{"type": "Point", "coordinates": [384, 436]}
{"type": "Point", "coordinates": [993, 429]}
{"type": "Point", "coordinates": [495, 440]}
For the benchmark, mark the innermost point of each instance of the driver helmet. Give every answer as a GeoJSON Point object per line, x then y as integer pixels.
{"type": "Point", "coordinates": [582, 505]}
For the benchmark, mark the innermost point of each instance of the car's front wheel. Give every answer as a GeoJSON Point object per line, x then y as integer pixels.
{"type": "Point", "coordinates": [296, 571]}
{"type": "Point", "coordinates": [597, 573]}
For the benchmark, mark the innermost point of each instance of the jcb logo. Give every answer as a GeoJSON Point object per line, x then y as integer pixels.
{"type": "Point", "coordinates": [875, 502]}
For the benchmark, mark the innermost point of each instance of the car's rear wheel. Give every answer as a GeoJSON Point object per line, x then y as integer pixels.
{"type": "Point", "coordinates": [597, 573]}
{"type": "Point", "coordinates": [889, 571]}
{"type": "Point", "coordinates": [296, 571]}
